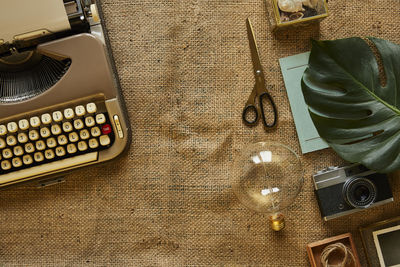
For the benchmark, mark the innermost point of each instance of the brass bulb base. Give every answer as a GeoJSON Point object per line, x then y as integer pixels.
{"type": "Point", "coordinates": [277, 222]}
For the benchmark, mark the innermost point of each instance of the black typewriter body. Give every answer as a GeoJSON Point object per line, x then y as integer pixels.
{"type": "Point", "coordinates": [61, 106]}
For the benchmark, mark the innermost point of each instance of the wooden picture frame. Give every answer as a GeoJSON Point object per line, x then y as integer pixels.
{"type": "Point", "coordinates": [381, 242]}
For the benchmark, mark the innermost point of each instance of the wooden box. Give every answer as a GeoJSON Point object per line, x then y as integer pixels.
{"type": "Point", "coordinates": [315, 249]}
{"type": "Point", "coordinates": [280, 19]}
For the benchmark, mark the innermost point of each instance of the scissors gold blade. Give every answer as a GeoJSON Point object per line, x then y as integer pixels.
{"type": "Point", "coordinates": [258, 70]}
{"type": "Point", "coordinates": [259, 92]}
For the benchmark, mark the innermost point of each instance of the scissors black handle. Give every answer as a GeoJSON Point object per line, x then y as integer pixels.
{"type": "Point", "coordinates": [274, 110]}
{"type": "Point", "coordinates": [253, 109]}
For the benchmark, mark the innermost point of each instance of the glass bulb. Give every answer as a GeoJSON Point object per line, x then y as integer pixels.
{"type": "Point", "coordinates": [267, 177]}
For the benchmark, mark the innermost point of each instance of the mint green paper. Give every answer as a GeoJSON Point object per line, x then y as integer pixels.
{"type": "Point", "coordinates": [293, 68]}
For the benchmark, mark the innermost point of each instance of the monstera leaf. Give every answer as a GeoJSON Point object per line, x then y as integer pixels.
{"type": "Point", "coordinates": [351, 109]}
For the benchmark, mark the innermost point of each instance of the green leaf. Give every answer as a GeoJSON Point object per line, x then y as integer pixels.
{"type": "Point", "coordinates": [359, 118]}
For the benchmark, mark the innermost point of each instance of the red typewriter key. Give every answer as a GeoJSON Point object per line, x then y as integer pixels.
{"type": "Point", "coordinates": [106, 129]}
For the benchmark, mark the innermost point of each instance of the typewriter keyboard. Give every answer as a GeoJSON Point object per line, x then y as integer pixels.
{"type": "Point", "coordinates": [54, 140]}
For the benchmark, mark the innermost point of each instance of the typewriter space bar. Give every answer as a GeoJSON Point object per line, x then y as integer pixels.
{"type": "Point", "coordinates": [48, 168]}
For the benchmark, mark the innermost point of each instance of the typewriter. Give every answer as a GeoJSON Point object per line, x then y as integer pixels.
{"type": "Point", "coordinates": [60, 103]}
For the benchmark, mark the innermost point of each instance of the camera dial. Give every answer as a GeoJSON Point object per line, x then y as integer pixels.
{"type": "Point", "coordinates": [359, 192]}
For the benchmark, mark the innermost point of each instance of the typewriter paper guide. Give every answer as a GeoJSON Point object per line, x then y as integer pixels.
{"type": "Point", "coordinates": [19, 17]}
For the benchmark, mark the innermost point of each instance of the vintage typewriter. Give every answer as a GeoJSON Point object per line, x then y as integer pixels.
{"type": "Point", "coordinates": [60, 102]}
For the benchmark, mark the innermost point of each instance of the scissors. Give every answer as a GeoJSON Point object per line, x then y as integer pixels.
{"type": "Point", "coordinates": [259, 91]}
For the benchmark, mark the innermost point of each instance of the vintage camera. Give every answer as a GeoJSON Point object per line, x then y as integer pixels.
{"type": "Point", "coordinates": [344, 190]}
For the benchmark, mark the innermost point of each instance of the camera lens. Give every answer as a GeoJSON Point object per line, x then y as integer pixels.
{"type": "Point", "coordinates": [359, 192]}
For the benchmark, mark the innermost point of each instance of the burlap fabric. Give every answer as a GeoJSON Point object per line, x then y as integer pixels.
{"type": "Point", "coordinates": [186, 73]}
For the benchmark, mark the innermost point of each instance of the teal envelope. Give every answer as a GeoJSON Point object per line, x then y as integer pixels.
{"type": "Point", "coordinates": [293, 68]}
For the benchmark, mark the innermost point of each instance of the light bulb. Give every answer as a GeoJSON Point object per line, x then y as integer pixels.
{"type": "Point", "coordinates": [267, 177]}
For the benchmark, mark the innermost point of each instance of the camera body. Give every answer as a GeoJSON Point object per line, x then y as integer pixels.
{"type": "Point", "coordinates": [344, 190]}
